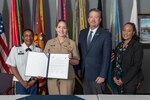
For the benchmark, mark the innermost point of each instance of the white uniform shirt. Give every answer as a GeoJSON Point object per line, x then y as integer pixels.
{"type": "Point", "coordinates": [18, 58]}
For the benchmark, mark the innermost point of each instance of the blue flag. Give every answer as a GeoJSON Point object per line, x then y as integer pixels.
{"type": "Point", "coordinates": [116, 38]}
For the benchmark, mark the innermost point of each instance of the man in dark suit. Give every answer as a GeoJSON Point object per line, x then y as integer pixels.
{"type": "Point", "coordinates": [95, 49]}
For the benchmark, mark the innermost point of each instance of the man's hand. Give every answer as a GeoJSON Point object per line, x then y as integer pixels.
{"type": "Point", "coordinates": [99, 80]}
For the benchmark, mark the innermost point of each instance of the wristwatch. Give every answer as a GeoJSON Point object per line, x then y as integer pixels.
{"type": "Point", "coordinates": [33, 78]}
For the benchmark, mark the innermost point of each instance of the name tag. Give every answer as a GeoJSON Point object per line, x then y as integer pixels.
{"type": "Point", "coordinates": [20, 53]}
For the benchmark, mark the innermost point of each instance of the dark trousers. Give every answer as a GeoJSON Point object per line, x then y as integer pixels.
{"type": "Point", "coordinates": [91, 87]}
{"type": "Point", "coordinates": [21, 90]}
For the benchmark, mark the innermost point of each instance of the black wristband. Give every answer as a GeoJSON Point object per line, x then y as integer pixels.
{"type": "Point", "coordinates": [33, 78]}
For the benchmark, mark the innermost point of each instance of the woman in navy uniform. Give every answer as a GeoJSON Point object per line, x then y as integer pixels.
{"type": "Point", "coordinates": [63, 45]}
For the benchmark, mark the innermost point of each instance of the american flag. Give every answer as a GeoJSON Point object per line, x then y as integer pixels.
{"type": "Point", "coordinates": [3, 49]}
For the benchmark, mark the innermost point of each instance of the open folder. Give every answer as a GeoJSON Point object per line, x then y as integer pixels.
{"type": "Point", "coordinates": [47, 65]}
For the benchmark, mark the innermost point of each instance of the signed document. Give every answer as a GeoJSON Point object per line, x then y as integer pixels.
{"type": "Point", "coordinates": [58, 66]}
{"type": "Point", "coordinates": [47, 65]}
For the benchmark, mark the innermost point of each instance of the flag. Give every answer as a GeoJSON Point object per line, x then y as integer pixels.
{"type": "Point", "coordinates": [61, 12]}
{"type": "Point", "coordinates": [82, 14]}
{"type": "Point", "coordinates": [110, 82]}
{"type": "Point", "coordinates": [79, 23]}
{"type": "Point", "coordinates": [39, 31]}
{"type": "Point", "coordinates": [20, 19]}
{"type": "Point", "coordinates": [38, 22]}
{"type": "Point", "coordinates": [15, 23]}
{"type": "Point", "coordinates": [116, 38]}
{"type": "Point", "coordinates": [115, 23]}
{"type": "Point", "coordinates": [13, 26]}
{"type": "Point", "coordinates": [3, 49]}
{"type": "Point", "coordinates": [42, 17]}
{"type": "Point", "coordinates": [75, 30]}
{"type": "Point", "coordinates": [134, 18]}
{"type": "Point", "coordinates": [79, 18]}
{"type": "Point", "coordinates": [100, 8]}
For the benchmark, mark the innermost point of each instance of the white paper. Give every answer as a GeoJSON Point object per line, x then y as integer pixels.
{"type": "Point", "coordinates": [58, 66]}
{"type": "Point", "coordinates": [36, 64]}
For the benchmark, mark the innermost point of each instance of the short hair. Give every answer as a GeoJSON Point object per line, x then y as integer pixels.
{"type": "Point", "coordinates": [61, 20]}
{"type": "Point", "coordinates": [28, 29]}
{"type": "Point", "coordinates": [95, 10]}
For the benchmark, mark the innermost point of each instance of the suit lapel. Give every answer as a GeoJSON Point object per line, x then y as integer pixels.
{"type": "Point", "coordinates": [85, 39]}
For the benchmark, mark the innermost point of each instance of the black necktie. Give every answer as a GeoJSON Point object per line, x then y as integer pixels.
{"type": "Point", "coordinates": [28, 49]}
{"type": "Point", "coordinates": [89, 39]}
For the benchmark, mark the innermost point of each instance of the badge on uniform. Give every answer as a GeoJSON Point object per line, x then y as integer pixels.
{"type": "Point", "coordinates": [20, 52]}
{"type": "Point", "coordinates": [52, 45]}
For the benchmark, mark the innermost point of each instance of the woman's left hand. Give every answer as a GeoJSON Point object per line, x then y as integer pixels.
{"type": "Point", "coordinates": [119, 82]}
{"type": "Point", "coordinates": [70, 55]}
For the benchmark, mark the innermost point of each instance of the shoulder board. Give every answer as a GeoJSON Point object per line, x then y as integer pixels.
{"type": "Point", "coordinates": [17, 45]}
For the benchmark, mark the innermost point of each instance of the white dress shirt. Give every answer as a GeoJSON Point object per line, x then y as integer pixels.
{"type": "Point", "coordinates": [18, 58]}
